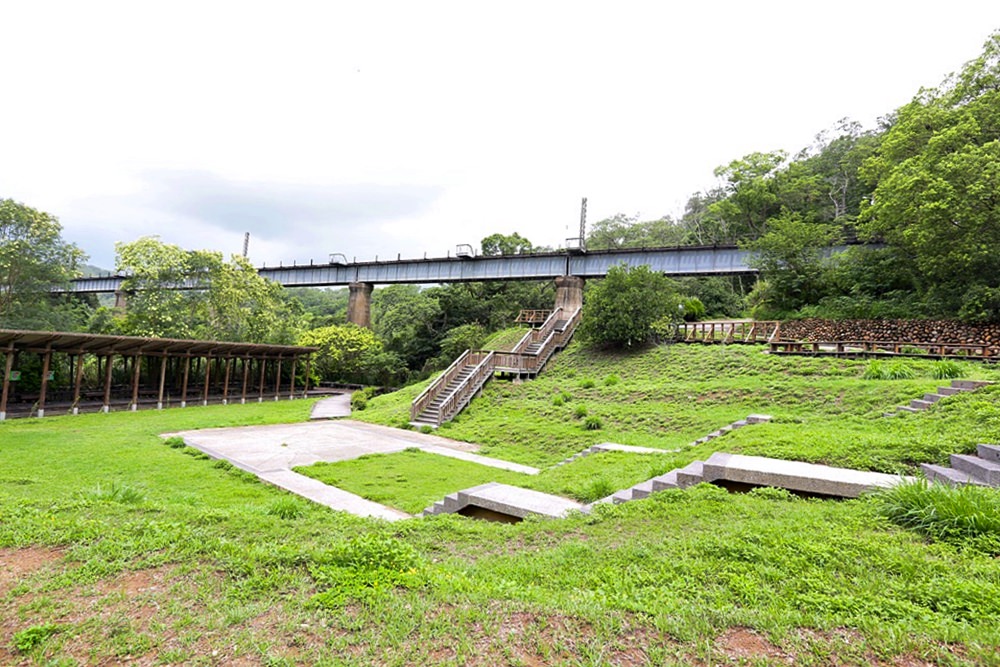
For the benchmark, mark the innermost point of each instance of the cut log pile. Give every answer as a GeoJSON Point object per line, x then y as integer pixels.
{"type": "Point", "coordinates": [917, 331]}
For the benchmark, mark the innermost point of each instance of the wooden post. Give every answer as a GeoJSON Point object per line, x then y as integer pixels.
{"type": "Point", "coordinates": [106, 407]}
{"type": "Point", "coordinates": [291, 389]}
{"type": "Point", "coordinates": [246, 376]}
{"type": "Point", "coordinates": [77, 383]}
{"type": "Point", "coordinates": [46, 365]}
{"type": "Point", "coordinates": [136, 369]}
{"type": "Point", "coordinates": [184, 385]}
{"type": "Point", "coordinates": [225, 383]}
{"type": "Point", "coordinates": [263, 367]}
{"type": "Point", "coordinates": [163, 382]}
{"type": "Point", "coordinates": [8, 366]}
{"type": "Point", "coordinates": [305, 389]}
{"type": "Point", "coordinates": [277, 380]}
{"type": "Point", "coordinates": [208, 376]}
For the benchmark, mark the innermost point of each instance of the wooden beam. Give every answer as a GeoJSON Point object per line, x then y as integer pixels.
{"type": "Point", "coordinates": [246, 376]}
{"type": "Point", "coordinates": [208, 376]}
{"type": "Point", "coordinates": [291, 389]}
{"type": "Point", "coordinates": [263, 367]}
{"type": "Point", "coordinates": [184, 386]}
{"type": "Point", "coordinates": [277, 380]}
{"type": "Point", "coordinates": [136, 370]}
{"type": "Point", "coordinates": [305, 389]}
{"type": "Point", "coordinates": [225, 383]}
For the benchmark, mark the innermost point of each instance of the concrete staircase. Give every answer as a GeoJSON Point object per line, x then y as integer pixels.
{"type": "Point", "coordinates": [681, 478]}
{"type": "Point", "coordinates": [982, 468]}
{"type": "Point", "coordinates": [928, 400]}
{"type": "Point", "coordinates": [613, 447]}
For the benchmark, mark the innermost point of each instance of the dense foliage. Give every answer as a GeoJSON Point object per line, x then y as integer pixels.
{"type": "Point", "coordinates": [619, 311]}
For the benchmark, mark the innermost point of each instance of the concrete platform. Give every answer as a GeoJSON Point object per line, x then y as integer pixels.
{"type": "Point", "coordinates": [794, 475]}
{"type": "Point", "coordinates": [515, 501]}
{"type": "Point", "coordinates": [270, 452]}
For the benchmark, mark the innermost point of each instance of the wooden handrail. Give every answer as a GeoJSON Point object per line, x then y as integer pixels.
{"type": "Point", "coordinates": [463, 393]}
{"type": "Point", "coordinates": [431, 391]}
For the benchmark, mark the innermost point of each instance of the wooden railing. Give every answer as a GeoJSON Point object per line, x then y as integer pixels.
{"type": "Point", "coordinates": [729, 331]}
{"type": "Point", "coordinates": [486, 363]}
{"type": "Point", "coordinates": [887, 348]}
{"type": "Point", "coordinates": [459, 398]}
{"type": "Point", "coordinates": [532, 316]}
{"type": "Point", "coordinates": [421, 402]}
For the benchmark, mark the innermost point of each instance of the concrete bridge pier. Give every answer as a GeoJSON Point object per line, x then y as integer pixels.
{"type": "Point", "coordinates": [359, 304]}
{"type": "Point", "coordinates": [569, 293]}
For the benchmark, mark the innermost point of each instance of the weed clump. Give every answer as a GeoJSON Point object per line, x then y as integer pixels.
{"type": "Point", "coordinates": [596, 489]}
{"type": "Point", "coordinates": [593, 423]}
{"type": "Point", "coordinates": [117, 492]}
{"type": "Point", "coordinates": [580, 411]}
{"type": "Point", "coordinates": [879, 370]}
{"type": "Point", "coordinates": [558, 401]}
{"type": "Point", "coordinates": [175, 442]}
{"type": "Point", "coordinates": [367, 568]}
{"type": "Point", "coordinates": [588, 383]}
{"type": "Point", "coordinates": [29, 638]}
{"type": "Point", "coordinates": [946, 369]}
{"type": "Point", "coordinates": [946, 513]}
{"type": "Point", "coordinates": [611, 380]}
{"type": "Point", "coordinates": [286, 508]}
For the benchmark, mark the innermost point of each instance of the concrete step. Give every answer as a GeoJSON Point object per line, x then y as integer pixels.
{"type": "Point", "coordinates": [739, 424]}
{"type": "Point", "coordinates": [622, 496]}
{"type": "Point", "coordinates": [948, 391]}
{"type": "Point", "coordinates": [667, 481]}
{"type": "Point", "coordinates": [451, 502]}
{"type": "Point", "coordinates": [640, 491]}
{"type": "Point", "coordinates": [933, 398]}
{"type": "Point", "coordinates": [944, 475]}
{"type": "Point", "coordinates": [919, 404]}
{"type": "Point", "coordinates": [987, 471]}
{"type": "Point", "coordinates": [969, 385]}
{"type": "Point", "coordinates": [758, 419]}
{"type": "Point", "coordinates": [691, 474]}
{"type": "Point", "coordinates": [906, 408]}
{"type": "Point", "coordinates": [989, 452]}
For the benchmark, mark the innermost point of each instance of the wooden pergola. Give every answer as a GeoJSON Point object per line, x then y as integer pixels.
{"type": "Point", "coordinates": [176, 358]}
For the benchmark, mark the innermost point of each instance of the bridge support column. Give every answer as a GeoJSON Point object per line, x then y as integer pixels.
{"type": "Point", "coordinates": [569, 293]}
{"type": "Point", "coordinates": [359, 304]}
{"type": "Point", "coordinates": [121, 300]}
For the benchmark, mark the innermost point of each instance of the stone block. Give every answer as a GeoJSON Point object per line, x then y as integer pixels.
{"type": "Point", "coordinates": [691, 474]}
{"type": "Point", "coordinates": [989, 452]}
{"type": "Point", "coordinates": [640, 491]}
{"type": "Point", "coordinates": [987, 471]}
{"type": "Point", "coordinates": [667, 481]}
{"type": "Point", "coordinates": [945, 475]}
{"type": "Point", "coordinates": [758, 419]}
{"type": "Point", "coordinates": [515, 501]}
{"type": "Point", "coordinates": [933, 398]}
{"type": "Point", "coordinates": [794, 475]}
{"type": "Point", "coordinates": [919, 404]}
{"type": "Point", "coordinates": [622, 496]}
{"type": "Point", "coordinates": [948, 391]}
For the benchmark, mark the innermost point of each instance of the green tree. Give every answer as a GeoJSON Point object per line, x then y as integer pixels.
{"type": "Point", "coordinates": [622, 231]}
{"type": "Point", "coordinates": [220, 300]}
{"type": "Point", "coordinates": [619, 310]}
{"type": "Point", "coordinates": [937, 175]}
{"type": "Point", "coordinates": [752, 194]}
{"type": "Point", "coordinates": [791, 261]}
{"type": "Point", "coordinates": [352, 354]}
{"type": "Point", "coordinates": [33, 259]}
{"type": "Point", "coordinates": [404, 317]}
{"type": "Point", "coordinates": [505, 244]}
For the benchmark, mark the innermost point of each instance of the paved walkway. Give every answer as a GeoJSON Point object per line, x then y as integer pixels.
{"type": "Point", "coordinates": [270, 452]}
{"type": "Point", "coordinates": [329, 408]}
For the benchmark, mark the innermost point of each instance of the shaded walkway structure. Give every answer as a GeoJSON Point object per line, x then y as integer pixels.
{"type": "Point", "coordinates": [73, 371]}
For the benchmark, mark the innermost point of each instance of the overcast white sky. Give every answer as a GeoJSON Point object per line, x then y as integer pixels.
{"type": "Point", "coordinates": [376, 128]}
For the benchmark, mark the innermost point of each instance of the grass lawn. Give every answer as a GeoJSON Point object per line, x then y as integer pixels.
{"type": "Point", "coordinates": [116, 547]}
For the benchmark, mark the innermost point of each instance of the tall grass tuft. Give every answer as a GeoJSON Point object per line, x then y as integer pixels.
{"type": "Point", "coordinates": [942, 512]}
{"type": "Point", "coordinates": [895, 370]}
{"type": "Point", "coordinates": [117, 492]}
{"type": "Point", "coordinates": [946, 369]}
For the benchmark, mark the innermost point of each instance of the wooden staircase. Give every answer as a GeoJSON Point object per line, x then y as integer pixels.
{"type": "Point", "coordinates": [459, 383]}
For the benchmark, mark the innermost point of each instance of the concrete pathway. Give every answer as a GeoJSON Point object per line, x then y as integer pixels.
{"type": "Point", "coordinates": [334, 406]}
{"type": "Point", "coordinates": [270, 452]}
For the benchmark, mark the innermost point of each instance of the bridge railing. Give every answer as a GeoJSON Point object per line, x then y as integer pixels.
{"type": "Point", "coordinates": [532, 316]}
{"type": "Point", "coordinates": [541, 333]}
{"type": "Point", "coordinates": [421, 402]}
{"type": "Point", "coordinates": [729, 331]}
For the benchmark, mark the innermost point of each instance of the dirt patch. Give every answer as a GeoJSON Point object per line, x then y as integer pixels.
{"type": "Point", "coordinates": [745, 644]}
{"type": "Point", "coordinates": [15, 564]}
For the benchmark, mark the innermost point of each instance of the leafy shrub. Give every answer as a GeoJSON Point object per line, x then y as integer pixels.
{"type": "Point", "coordinates": [588, 383]}
{"type": "Point", "coordinates": [27, 639]}
{"type": "Point", "coordinates": [426, 430]}
{"type": "Point", "coordinates": [942, 512]}
{"type": "Point", "coordinates": [611, 380]}
{"type": "Point", "coordinates": [946, 370]}
{"type": "Point", "coordinates": [694, 309]}
{"type": "Point", "coordinates": [286, 508]}
{"type": "Point", "coordinates": [580, 411]}
{"type": "Point", "coordinates": [175, 442]}
{"type": "Point", "coordinates": [360, 398]}
{"type": "Point", "coordinates": [593, 423]}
